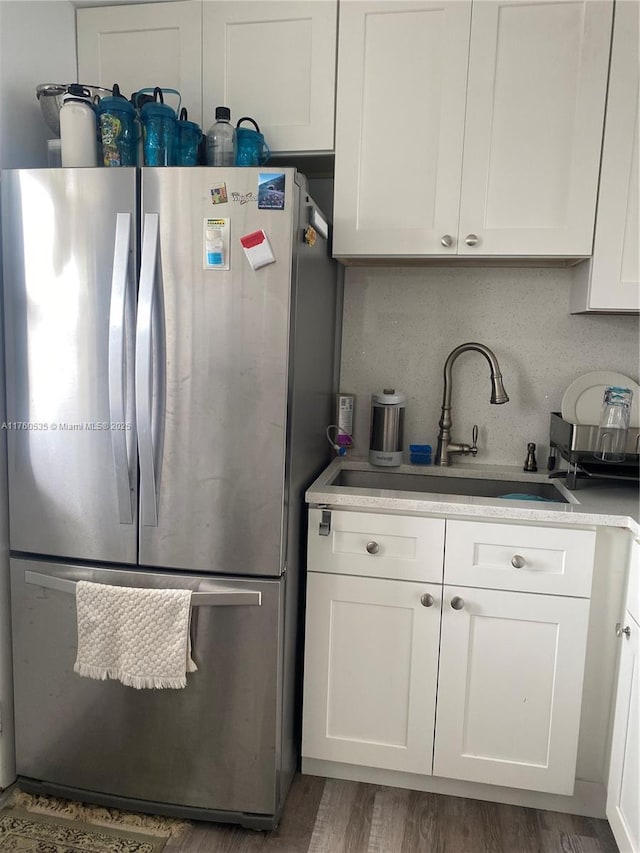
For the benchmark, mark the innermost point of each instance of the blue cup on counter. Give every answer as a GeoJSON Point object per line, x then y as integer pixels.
{"type": "Point", "coordinates": [251, 147]}
{"type": "Point", "coordinates": [158, 129]}
{"type": "Point", "coordinates": [187, 141]}
{"type": "Point", "coordinates": [118, 130]}
{"type": "Point", "coordinates": [420, 454]}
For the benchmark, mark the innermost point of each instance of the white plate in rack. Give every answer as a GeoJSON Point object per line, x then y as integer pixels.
{"type": "Point", "coordinates": [582, 401]}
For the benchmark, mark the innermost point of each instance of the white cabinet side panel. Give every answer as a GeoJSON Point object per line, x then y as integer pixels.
{"type": "Point", "coordinates": [615, 270]}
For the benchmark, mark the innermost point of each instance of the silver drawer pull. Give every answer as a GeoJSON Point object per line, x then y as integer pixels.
{"type": "Point", "coordinates": [518, 562]}
{"type": "Point", "coordinates": [372, 547]}
{"type": "Point", "coordinates": [208, 596]}
{"type": "Point", "coordinates": [457, 603]}
{"type": "Point", "coordinates": [427, 600]}
{"type": "Point", "coordinates": [620, 630]}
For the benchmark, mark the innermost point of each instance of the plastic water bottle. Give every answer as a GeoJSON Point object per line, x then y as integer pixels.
{"type": "Point", "coordinates": [221, 140]}
{"type": "Point", "coordinates": [78, 135]}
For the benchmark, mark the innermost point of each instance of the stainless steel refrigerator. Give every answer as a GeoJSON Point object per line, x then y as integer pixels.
{"type": "Point", "coordinates": [167, 400]}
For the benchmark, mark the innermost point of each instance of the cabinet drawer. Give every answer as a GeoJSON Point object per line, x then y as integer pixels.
{"type": "Point", "coordinates": [519, 557]}
{"type": "Point", "coordinates": [378, 546]}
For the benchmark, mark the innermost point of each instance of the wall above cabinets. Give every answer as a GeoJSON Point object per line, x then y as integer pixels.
{"type": "Point", "coordinates": [469, 129]}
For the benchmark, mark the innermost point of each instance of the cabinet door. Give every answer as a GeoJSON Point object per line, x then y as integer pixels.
{"type": "Point", "coordinates": [402, 71]}
{"type": "Point", "coordinates": [623, 789]}
{"type": "Point", "coordinates": [510, 688]}
{"type": "Point", "coordinates": [533, 131]}
{"type": "Point", "coordinates": [611, 281]}
{"type": "Point", "coordinates": [144, 45]}
{"type": "Point", "coordinates": [276, 63]}
{"type": "Point", "coordinates": [371, 658]}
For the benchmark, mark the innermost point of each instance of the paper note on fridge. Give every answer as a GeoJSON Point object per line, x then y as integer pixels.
{"type": "Point", "coordinates": [257, 249]}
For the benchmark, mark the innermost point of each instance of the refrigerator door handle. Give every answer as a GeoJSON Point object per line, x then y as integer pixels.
{"type": "Point", "coordinates": [208, 595]}
{"type": "Point", "coordinates": [117, 405]}
{"type": "Point", "coordinates": [144, 370]}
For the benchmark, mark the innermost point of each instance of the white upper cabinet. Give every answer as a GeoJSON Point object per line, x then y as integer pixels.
{"type": "Point", "coordinates": [611, 280]}
{"type": "Point", "coordinates": [402, 74]}
{"type": "Point", "coordinates": [469, 128]}
{"type": "Point", "coordinates": [144, 45]}
{"type": "Point", "coordinates": [276, 63]}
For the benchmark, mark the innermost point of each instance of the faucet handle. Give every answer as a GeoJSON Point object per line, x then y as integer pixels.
{"type": "Point", "coordinates": [474, 440]}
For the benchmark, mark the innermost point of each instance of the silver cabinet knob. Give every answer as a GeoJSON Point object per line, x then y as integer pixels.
{"type": "Point", "coordinates": [518, 562]}
{"type": "Point", "coordinates": [457, 603]}
{"type": "Point", "coordinates": [620, 630]}
{"type": "Point", "coordinates": [372, 547]}
{"type": "Point", "coordinates": [471, 240]}
{"type": "Point", "coordinates": [446, 240]}
{"type": "Point", "coordinates": [426, 600]}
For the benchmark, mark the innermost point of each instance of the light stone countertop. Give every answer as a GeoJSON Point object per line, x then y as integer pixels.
{"type": "Point", "coordinates": [607, 503]}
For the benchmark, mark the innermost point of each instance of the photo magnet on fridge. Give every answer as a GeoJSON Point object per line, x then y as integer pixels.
{"type": "Point", "coordinates": [271, 191]}
{"type": "Point", "coordinates": [219, 193]}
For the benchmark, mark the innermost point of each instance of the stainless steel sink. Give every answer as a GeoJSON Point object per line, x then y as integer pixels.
{"type": "Point", "coordinates": [434, 484]}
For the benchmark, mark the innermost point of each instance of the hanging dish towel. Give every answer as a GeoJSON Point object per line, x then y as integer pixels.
{"type": "Point", "coordinates": [140, 637]}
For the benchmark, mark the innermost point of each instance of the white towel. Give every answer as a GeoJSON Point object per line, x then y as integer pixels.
{"type": "Point", "coordinates": [140, 637]}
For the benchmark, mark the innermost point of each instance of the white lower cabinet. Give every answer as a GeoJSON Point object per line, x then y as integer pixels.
{"type": "Point", "coordinates": [495, 671]}
{"type": "Point", "coordinates": [623, 789]}
{"type": "Point", "coordinates": [371, 663]}
{"type": "Point", "coordinates": [510, 688]}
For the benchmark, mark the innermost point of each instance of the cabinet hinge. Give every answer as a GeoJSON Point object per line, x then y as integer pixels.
{"type": "Point", "coordinates": [325, 524]}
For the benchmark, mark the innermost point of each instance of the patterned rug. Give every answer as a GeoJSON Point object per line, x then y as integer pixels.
{"type": "Point", "coordinates": [30, 833]}
{"type": "Point", "coordinates": [95, 815]}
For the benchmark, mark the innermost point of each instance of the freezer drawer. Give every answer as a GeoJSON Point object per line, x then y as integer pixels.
{"type": "Point", "coordinates": [214, 745]}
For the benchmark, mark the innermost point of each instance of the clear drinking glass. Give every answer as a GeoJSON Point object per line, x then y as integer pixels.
{"type": "Point", "coordinates": [614, 424]}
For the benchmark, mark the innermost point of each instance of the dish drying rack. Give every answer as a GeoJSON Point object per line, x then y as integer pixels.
{"type": "Point", "coordinates": [576, 443]}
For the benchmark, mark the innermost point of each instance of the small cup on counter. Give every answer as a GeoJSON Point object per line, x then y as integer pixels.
{"type": "Point", "coordinates": [614, 424]}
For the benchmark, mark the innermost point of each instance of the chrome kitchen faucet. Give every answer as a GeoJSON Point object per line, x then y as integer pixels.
{"type": "Point", "coordinates": [446, 447]}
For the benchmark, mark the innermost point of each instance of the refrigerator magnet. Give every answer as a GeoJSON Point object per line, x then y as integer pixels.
{"type": "Point", "coordinates": [216, 244]}
{"type": "Point", "coordinates": [219, 194]}
{"type": "Point", "coordinates": [257, 249]}
{"type": "Point", "coordinates": [271, 190]}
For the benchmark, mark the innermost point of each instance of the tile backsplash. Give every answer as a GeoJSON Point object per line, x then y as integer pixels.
{"type": "Point", "coordinates": [400, 324]}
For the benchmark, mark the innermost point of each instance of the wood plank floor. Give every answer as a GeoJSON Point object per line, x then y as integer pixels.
{"type": "Point", "coordinates": [332, 816]}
